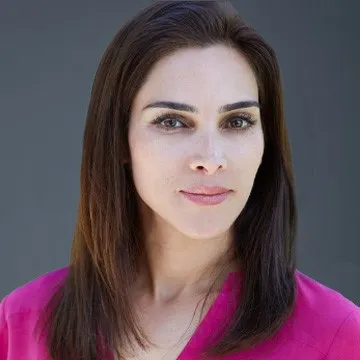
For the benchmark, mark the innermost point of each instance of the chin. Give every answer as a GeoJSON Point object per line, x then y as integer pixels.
{"type": "Point", "coordinates": [203, 231]}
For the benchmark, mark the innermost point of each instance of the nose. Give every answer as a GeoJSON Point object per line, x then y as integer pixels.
{"type": "Point", "coordinates": [210, 158]}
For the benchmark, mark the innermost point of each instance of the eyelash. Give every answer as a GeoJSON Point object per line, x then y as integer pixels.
{"type": "Point", "coordinates": [243, 117]}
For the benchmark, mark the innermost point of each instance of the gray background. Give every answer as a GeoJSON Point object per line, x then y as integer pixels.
{"type": "Point", "coordinates": [49, 52]}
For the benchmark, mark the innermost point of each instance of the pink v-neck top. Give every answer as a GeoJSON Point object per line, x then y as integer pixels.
{"type": "Point", "coordinates": [324, 325]}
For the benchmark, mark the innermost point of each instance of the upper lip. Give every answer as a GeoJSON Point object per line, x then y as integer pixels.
{"type": "Point", "coordinates": [207, 190]}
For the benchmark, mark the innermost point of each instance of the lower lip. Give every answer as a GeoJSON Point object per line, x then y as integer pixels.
{"type": "Point", "coordinates": [201, 199]}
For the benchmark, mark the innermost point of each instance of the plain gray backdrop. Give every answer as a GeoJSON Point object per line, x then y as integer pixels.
{"type": "Point", "coordinates": [49, 52]}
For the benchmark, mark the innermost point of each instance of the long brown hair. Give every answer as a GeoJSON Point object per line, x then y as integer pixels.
{"type": "Point", "coordinates": [93, 302]}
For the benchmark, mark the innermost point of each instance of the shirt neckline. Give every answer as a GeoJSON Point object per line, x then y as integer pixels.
{"type": "Point", "coordinates": [231, 282]}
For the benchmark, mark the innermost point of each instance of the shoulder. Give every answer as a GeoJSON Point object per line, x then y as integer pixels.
{"type": "Point", "coordinates": [19, 312]}
{"type": "Point", "coordinates": [33, 295]}
{"type": "Point", "coordinates": [322, 299]}
{"type": "Point", "coordinates": [325, 319]}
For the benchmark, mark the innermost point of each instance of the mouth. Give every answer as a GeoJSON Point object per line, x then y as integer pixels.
{"type": "Point", "coordinates": [213, 196]}
{"type": "Point", "coordinates": [207, 190]}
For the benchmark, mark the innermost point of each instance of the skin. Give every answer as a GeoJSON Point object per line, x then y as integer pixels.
{"type": "Point", "coordinates": [185, 240]}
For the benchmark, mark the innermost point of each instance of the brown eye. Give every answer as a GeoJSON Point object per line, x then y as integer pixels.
{"type": "Point", "coordinates": [237, 122]}
{"type": "Point", "coordinates": [241, 122]}
{"type": "Point", "coordinates": [168, 122]}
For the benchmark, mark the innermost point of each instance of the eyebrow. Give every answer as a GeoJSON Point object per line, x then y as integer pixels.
{"type": "Point", "coordinates": [193, 109]}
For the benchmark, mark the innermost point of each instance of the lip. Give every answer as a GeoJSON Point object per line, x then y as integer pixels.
{"type": "Point", "coordinates": [207, 195]}
{"type": "Point", "coordinates": [207, 190]}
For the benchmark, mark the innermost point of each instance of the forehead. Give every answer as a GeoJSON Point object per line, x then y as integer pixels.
{"type": "Point", "coordinates": [204, 77]}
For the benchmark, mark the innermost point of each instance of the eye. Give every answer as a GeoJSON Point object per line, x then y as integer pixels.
{"type": "Point", "coordinates": [168, 122]}
{"type": "Point", "coordinates": [237, 122]}
{"type": "Point", "coordinates": [172, 122]}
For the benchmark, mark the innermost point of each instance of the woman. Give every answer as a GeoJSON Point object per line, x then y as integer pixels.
{"type": "Point", "coordinates": [187, 199]}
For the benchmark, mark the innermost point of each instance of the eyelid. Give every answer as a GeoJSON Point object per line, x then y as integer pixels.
{"type": "Point", "coordinates": [173, 114]}
{"type": "Point", "coordinates": [170, 115]}
{"type": "Point", "coordinates": [247, 116]}
{"type": "Point", "coordinates": [242, 114]}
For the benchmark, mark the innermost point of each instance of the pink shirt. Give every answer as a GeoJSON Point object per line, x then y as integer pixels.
{"type": "Point", "coordinates": [324, 326]}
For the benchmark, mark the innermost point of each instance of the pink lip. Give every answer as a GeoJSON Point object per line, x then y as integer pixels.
{"type": "Point", "coordinates": [207, 190]}
{"type": "Point", "coordinates": [206, 195]}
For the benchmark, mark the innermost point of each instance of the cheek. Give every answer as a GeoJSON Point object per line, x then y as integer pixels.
{"type": "Point", "coordinates": [154, 162]}
{"type": "Point", "coordinates": [248, 156]}
{"type": "Point", "coordinates": [247, 160]}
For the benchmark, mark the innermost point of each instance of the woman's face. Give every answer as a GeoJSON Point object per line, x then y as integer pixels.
{"type": "Point", "coordinates": [203, 147]}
